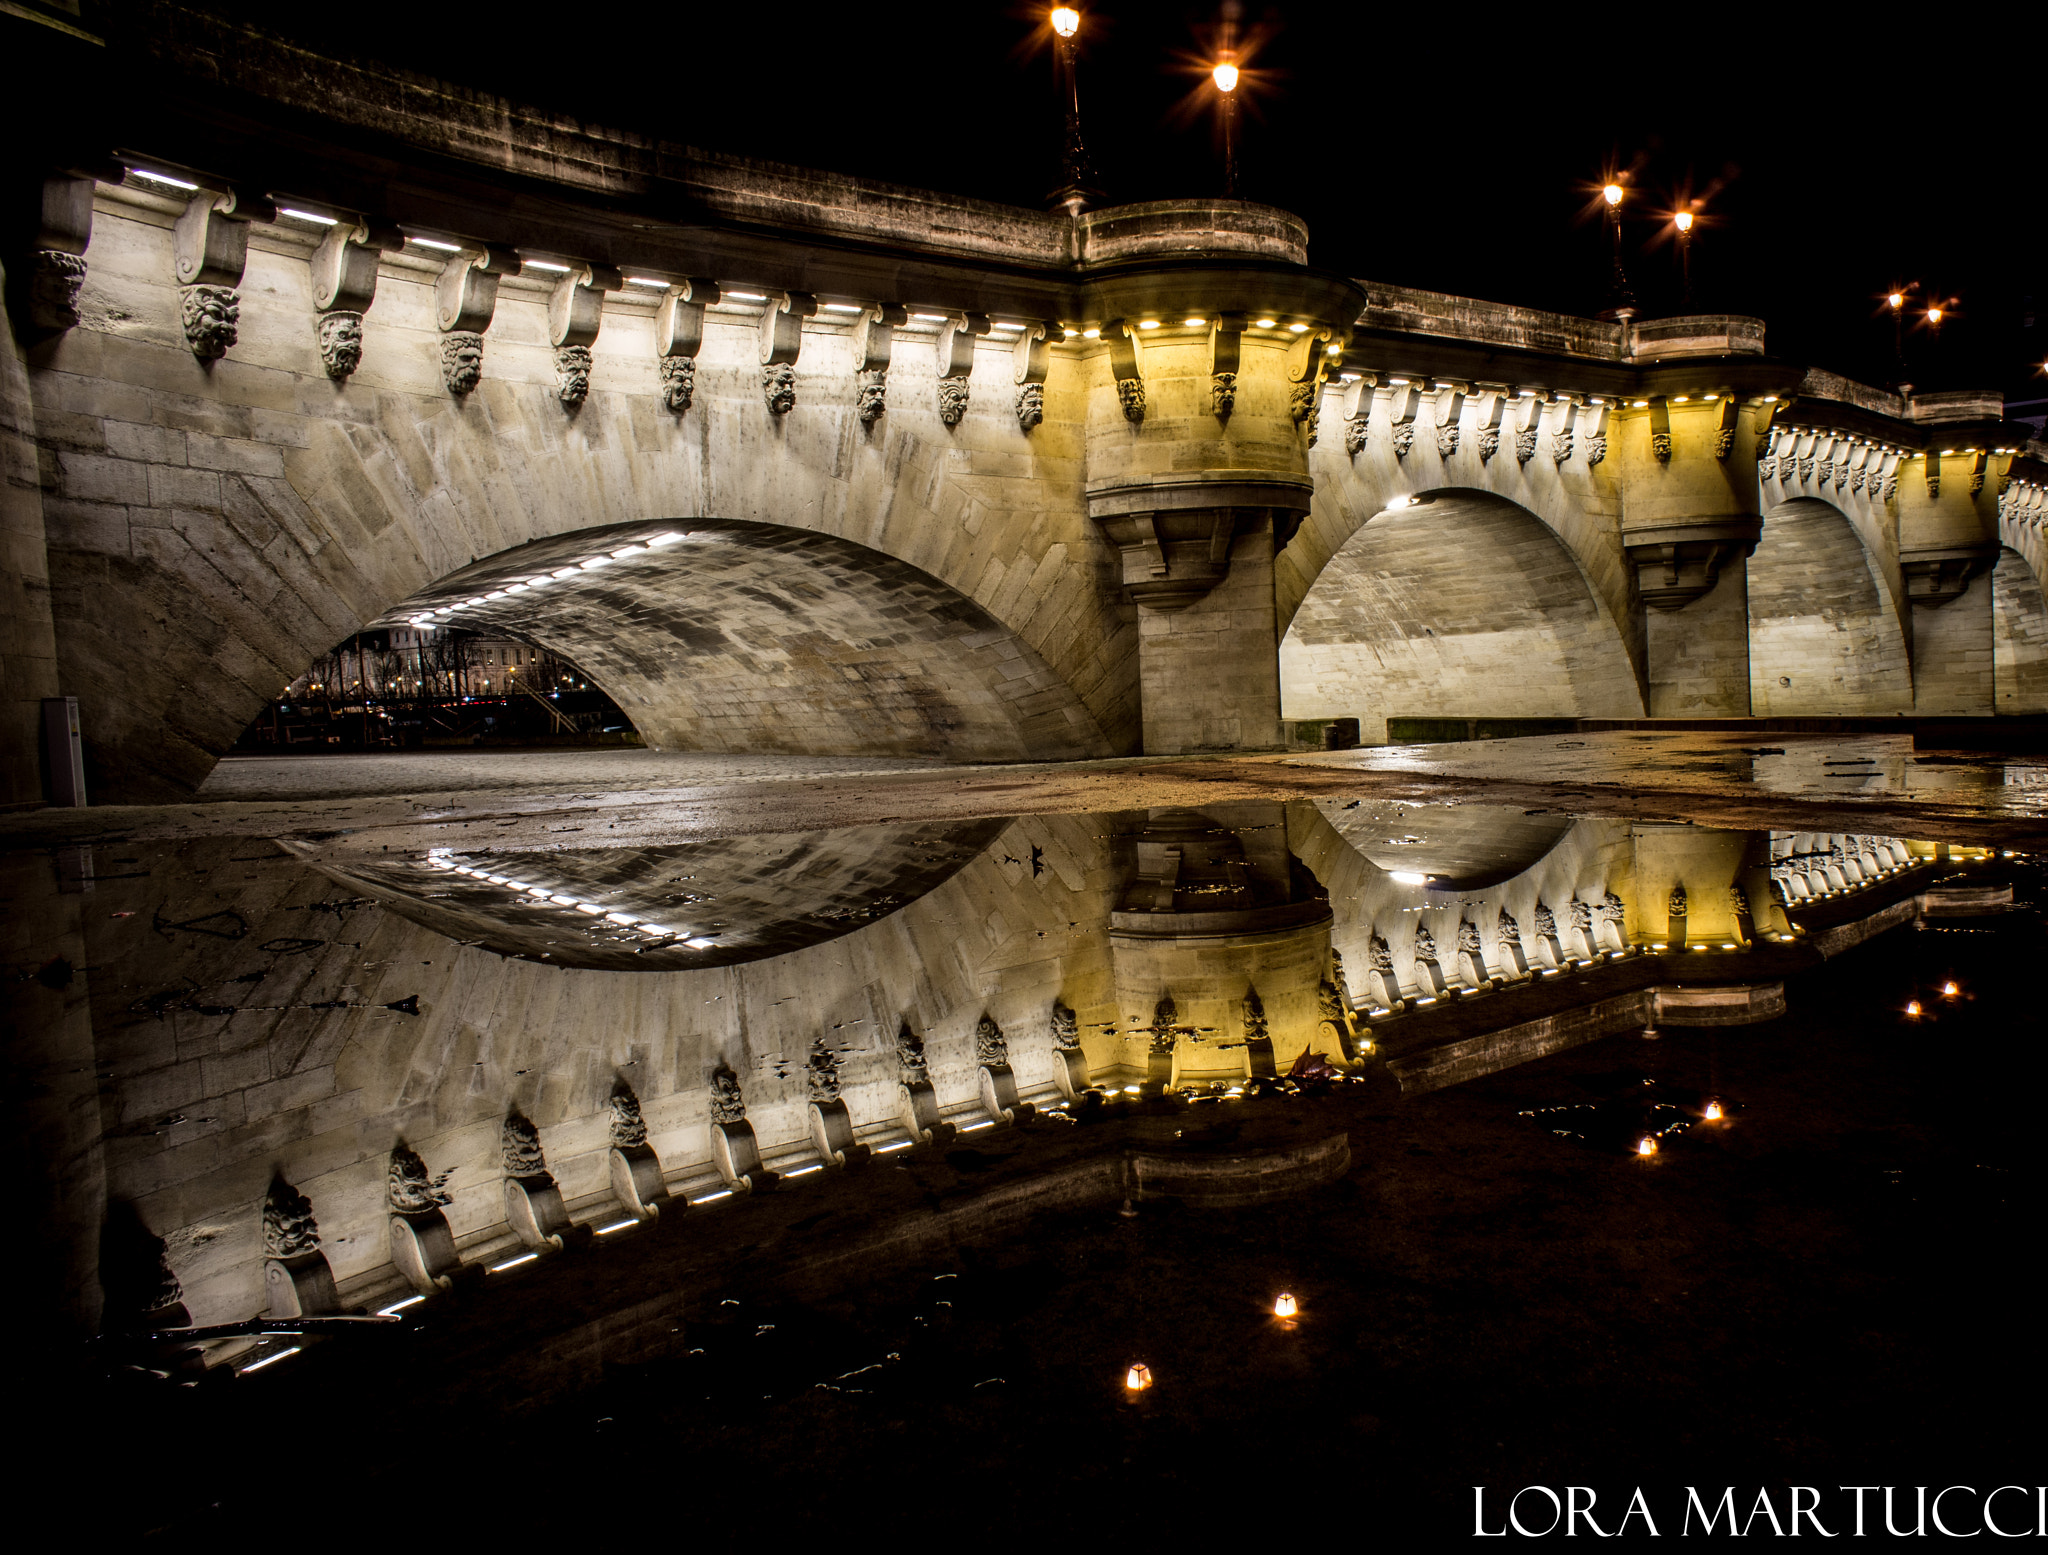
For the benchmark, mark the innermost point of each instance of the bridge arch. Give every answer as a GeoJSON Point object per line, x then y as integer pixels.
{"type": "Point", "coordinates": [1463, 605]}
{"type": "Point", "coordinates": [730, 636]}
{"type": "Point", "coordinates": [1825, 628]}
{"type": "Point", "coordinates": [210, 538]}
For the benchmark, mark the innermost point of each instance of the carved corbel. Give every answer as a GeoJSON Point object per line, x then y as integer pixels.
{"type": "Point", "coordinates": [1824, 448]}
{"type": "Point", "coordinates": [210, 247]}
{"type": "Point", "coordinates": [1226, 337]}
{"type": "Point", "coordinates": [1724, 426]}
{"type": "Point", "coordinates": [782, 338]}
{"type": "Point", "coordinates": [955, 360]}
{"type": "Point", "coordinates": [1403, 400]}
{"type": "Point", "coordinates": [1487, 419]}
{"type": "Point", "coordinates": [1593, 423]}
{"type": "Point", "coordinates": [1890, 474]}
{"type": "Point", "coordinates": [1122, 341]}
{"type": "Point", "coordinates": [1859, 465]}
{"type": "Point", "coordinates": [1561, 439]}
{"type": "Point", "coordinates": [1678, 564]}
{"type": "Point", "coordinates": [1807, 449]}
{"type": "Point", "coordinates": [1937, 575]}
{"type": "Point", "coordinates": [344, 270]}
{"type": "Point", "coordinates": [1660, 428]}
{"type": "Point", "coordinates": [1978, 463]}
{"type": "Point", "coordinates": [575, 314]}
{"type": "Point", "coordinates": [1529, 424]}
{"type": "Point", "coordinates": [1305, 371]}
{"type": "Point", "coordinates": [1030, 361]}
{"type": "Point", "coordinates": [63, 234]}
{"type": "Point", "coordinates": [1449, 406]}
{"type": "Point", "coordinates": [1932, 472]}
{"type": "Point", "coordinates": [874, 339]}
{"type": "Point", "coordinates": [678, 336]}
{"type": "Point", "coordinates": [1357, 405]}
{"type": "Point", "coordinates": [465, 300]}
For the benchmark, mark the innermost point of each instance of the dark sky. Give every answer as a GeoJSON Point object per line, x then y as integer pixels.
{"type": "Point", "coordinates": [1440, 146]}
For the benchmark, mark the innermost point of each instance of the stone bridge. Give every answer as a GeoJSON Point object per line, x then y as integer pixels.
{"type": "Point", "coordinates": [788, 461]}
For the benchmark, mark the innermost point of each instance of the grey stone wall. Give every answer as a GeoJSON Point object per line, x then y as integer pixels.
{"type": "Point", "coordinates": [28, 645]}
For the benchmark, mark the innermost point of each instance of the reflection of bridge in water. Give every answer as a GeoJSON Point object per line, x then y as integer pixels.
{"type": "Point", "coordinates": [803, 1002]}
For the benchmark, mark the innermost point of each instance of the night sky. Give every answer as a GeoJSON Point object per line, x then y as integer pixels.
{"type": "Point", "coordinates": [1841, 153]}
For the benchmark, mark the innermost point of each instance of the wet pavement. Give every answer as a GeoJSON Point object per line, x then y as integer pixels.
{"type": "Point", "coordinates": [358, 805]}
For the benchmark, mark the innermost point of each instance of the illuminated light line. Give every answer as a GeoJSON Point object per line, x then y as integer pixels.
{"type": "Point", "coordinates": [805, 1171]}
{"type": "Point", "coordinates": [513, 1263]}
{"type": "Point", "coordinates": [446, 248]}
{"type": "Point", "coordinates": [984, 1123]}
{"type": "Point", "coordinates": [313, 216]}
{"type": "Point", "coordinates": [268, 1360]}
{"type": "Point", "coordinates": [901, 1144]}
{"type": "Point", "coordinates": [161, 178]}
{"type": "Point", "coordinates": [400, 1306]}
{"type": "Point", "coordinates": [617, 1225]}
{"type": "Point", "coordinates": [746, 296]}
{"type": "Point", "coordinates": [710, 1198]}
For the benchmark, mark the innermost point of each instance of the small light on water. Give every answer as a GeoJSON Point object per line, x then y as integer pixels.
{"type": "Point", "coordinates": [1646, 1146]}
{"type": "Point", "coordinates": [1284, 1305]}
{"type": "Point", "coordinates": [1138, 1378]}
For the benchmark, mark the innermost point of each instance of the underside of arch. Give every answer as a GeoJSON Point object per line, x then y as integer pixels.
{"type": "Point", "coordinates": [1465, 606]}
{"type": "Point", "coordinates": [1823, 635]}
{"type": "Point", "coordinates": [730, 636]}
{"type": "Point", "coordinates": [2019, 637]}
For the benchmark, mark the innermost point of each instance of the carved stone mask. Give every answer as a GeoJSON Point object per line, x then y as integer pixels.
{"type": "Point", "coordinates": [678, 382]}
{"type": "Point", "coordinates": [341, 343]}
{"type": "Point", "coordinates": [874, 394]}
{"type": "Point", "coordinates": [462, 360]}
{"type": "Point", "coordinates": [211, 314]}
{"type": "Point", "coordinates": [952, 400]}
{"type": "Point", "coordinates": [572, 374]}
{"type": "Point", "coordinates": [778, 387]}
{"type": "Point", "coordinates": [1030, 405]}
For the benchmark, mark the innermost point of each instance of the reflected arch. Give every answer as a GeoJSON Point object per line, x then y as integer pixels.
{"type": "Point", "coordinates": [1825, 635]}
{"type": "Point", "coordinates": [1464, 605]}
{"type": "Point", "coordinates": [729, 636]}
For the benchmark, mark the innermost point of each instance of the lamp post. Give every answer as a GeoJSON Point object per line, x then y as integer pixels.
{"type": "Point", "coordinates": [1621, 302]}
{"type": "Point", "coordinates": [1683, 221]}
{"type": "Point", "coordinates": [1225, 77]}
{"type": "Point", "coordinates": [1073, 193]}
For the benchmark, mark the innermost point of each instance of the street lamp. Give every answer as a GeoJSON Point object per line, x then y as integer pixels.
{"type": "Point", "coordinates": [1683, 221]}
{"type": "Point", "coordinates": [1621, 302]}
{"type": "Point", "coordinates": [1072, 195]}
{"type": "Point", "coordinates": [1225, 77]}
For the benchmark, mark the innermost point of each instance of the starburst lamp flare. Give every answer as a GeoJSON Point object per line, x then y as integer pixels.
{"type": "Point", "coordinates": [1138, 1379]}
{"type": "Point", "coordinates": [1284, 1305]}
{"type": "Point", "coordinates": [1646, 1146]}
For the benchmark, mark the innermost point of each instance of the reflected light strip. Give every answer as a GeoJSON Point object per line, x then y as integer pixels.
{"type": "Point", "coordinates": [617, 1225]}
{"type": "Point", "coordinates": [399, 1306]}
{"type": "Point", "coordinates": [805, 1171]}
{"type": "Point", "coordinates": [513, 1263]}
{"type": "Point", "coordinates": [710, 1198]}
{"type": "Point", "coordinates": [984, 1123]}
{"type": "Point", "coordinates": [268, 1360]}
{"type": "Point", "coordinates": [901, 1144]}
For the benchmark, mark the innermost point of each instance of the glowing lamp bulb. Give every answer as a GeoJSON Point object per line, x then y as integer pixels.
{"type": "Point", "coordinates": [1897, 300]}
{"type": "Point", "coordinates": [1713, 1112]}
{"type": "Point", "coordinates": [1949, 990]}
{"type": "Point", "coordinates": [1138, 1379]}
{"type": "Point", "coordinates": [1646, 1146]}
{"type": "Point", "coordinates": [1934, 315]}
{"type": "Point", "coordinates": [1284, 1305]}
{"type": "Point", "coordinates": [1913, 1007]}
{"type": "Point", "coordinates": [1225, 77]}
{"type": "Point", "coordinates": [1066, 21]}
{"type": "Point", "coordinates": [1611, 194]}
{"type": "Point", "coordinates": [1684, 221]}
